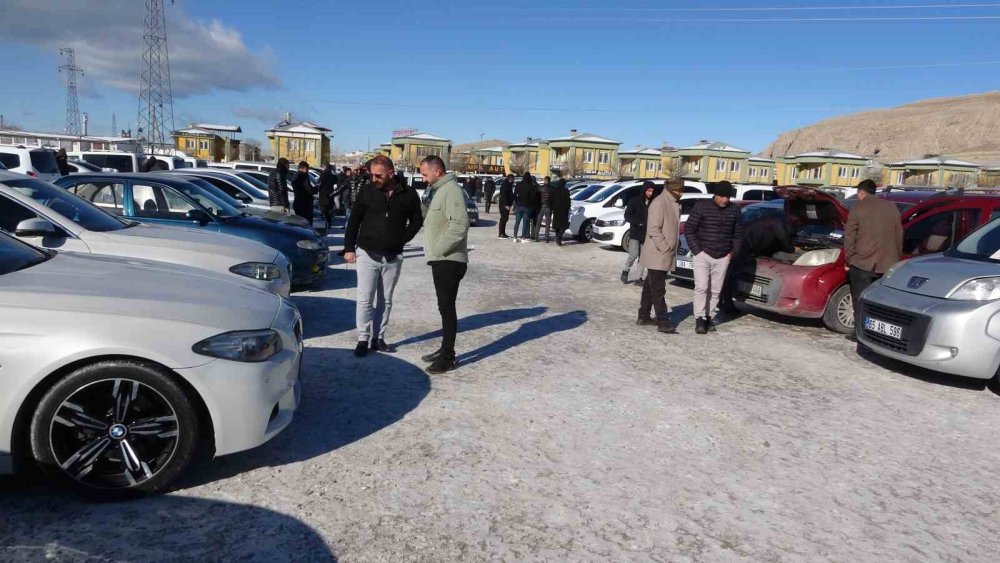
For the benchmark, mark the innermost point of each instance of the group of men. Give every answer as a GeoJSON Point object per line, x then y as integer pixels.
{"type": "Point", "coordinates": [533, 205]}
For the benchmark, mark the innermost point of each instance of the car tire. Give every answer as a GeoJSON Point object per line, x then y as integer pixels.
{"type": "Point", "coordinates": [839, 313]}
{"type": "Point", "coordinates": [624, 244]}
{"type": "Point", "coordinates": [115, 429]}
{"type": "Point", "coordinates": [586, 233]}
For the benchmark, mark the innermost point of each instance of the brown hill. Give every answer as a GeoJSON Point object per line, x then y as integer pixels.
{"type": "Point", "coordinates": [966, 127]}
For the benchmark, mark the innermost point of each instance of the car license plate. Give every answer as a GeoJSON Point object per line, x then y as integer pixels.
{"type": "Point", "coordinates": [884, 328]}
{"type": "Point", "coordinates": [685, 264]}
{"type": "Point", "coordinates": [752, 289]}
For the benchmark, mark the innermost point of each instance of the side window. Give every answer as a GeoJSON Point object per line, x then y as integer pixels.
{"type": "Point", "coordinates": [995, 215]}
{"type": "Point", "coordinates": [754, 195]}
{"type": "Point", "coordinates": [932, 234]}
{"type": "Point", "coordinates": [109, 196]}
{"type": "Point", "coordinates": [159, 202]}
{"type": "Point", "coordinates": [622, 199]}
{"type": "Point", "coordinates": [12, 213]}
{"type": "Point", "coordinates": [227, 188]}
{"type": "Point", "coordinates": [10, 160]}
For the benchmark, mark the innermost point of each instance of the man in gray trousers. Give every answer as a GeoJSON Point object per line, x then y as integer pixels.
{"type": "Point", "coordinates": [386, 215]}
{"type": "Point", "coordinates": [714, 234]}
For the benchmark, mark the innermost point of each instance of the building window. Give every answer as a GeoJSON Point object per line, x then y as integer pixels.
{"type": "Point", "coordinates": [605, 157]}
{"type": "Point", "coordinates": [764, 173]}
{"type": "Point", "coordinates": [720, 165]}
{"type": "Point", "coordinates": [856, 173]}
{"type": "Point", "coordinates": [734, 166]}
{"type": "Point", "coordinates": [189, 143]}
{"type": "Point", "coordinates": [795, 172]}
{"type": "Point", "coordinates": [203, 145]}
{"type": "Point", "coordinates": [650, 166]}
{"type": "Point", "coordinates": [900, 177]}
{"type": "Point", "coordinates": [817, 172]}
{"type": "Point", "coordinates": [588, 157]}
{"type": "Point", "coordinates": [293, 144]}
{"type": "Point", "coordinates": [499, 161]}
{"type": "Point", "coordinates": [311, 147]}
{"type": "Point", "coordinates": [538, 156]}
{"type": "Point", "coordinates": [425, 151]}
{"type": "Point", "coordinates": [697, 166]}
{"type": "Point", "coordinates": [752, 172]}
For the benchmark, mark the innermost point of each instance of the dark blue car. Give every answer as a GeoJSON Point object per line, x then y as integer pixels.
{"type": "Point", "coordinates": [171, 201]}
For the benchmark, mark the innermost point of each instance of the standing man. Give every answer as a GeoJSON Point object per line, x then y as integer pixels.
{"type": "Point", "coordinates": [326, 182]}
{"type": "Point", "coordinates": [62, 162]}
{"type": "Point", "coordinates": [490, 189]}
{"type": "Point", "coordinates": [385, 217]}
{"type": "Point", "coordinates": [524, 200]}
{"type": "Point", "coordinates": [302, 188]}
{"type": "Point", "coordinates": [560, 202]}
{"type": "Point", "coordinates": [543, 203]}
{"type": "Point", "coordinates": [277, 187]}
{"type": "Point", "coordinates": [505, 203]}
{"type": "Point", "coordinates": [873, 242]}
{"type": "Point", "coordinates": [446, 244]}
{"type": "Point", "coordinates": [714, 234]}
{"type": "Point", "coordinates": [659, 252]}
{"type": "Point", "coordinates": [635, 216]}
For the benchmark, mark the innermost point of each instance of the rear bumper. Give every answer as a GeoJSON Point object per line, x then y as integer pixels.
{"type": "Point", "coordinates": [795, 291]}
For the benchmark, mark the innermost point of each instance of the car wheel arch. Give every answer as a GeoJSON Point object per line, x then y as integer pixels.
{"type": "Point", "coordinates": [21, 428]}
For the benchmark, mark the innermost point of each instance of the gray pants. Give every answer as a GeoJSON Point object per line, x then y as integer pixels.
{"type": "Point", "coordinates": [376, 281]}
{"type": "Point", "coordinates": [633, 254]}
{"type": "Point", "coordinates": [709, 275]}
{"type": "Point", "coordinates": [278, 208]}
{"type": "Point", "coordinates": [545, 214]}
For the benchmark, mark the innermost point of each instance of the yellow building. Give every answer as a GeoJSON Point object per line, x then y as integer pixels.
{"type": "Point", "coordinates": [300, 141]}
{"type": "Point", "coordinates": [933, 170]}
{"type": "Point", "coordinates": [712, 162]}
{"type": "Point", "coordinates": [825, 167]}
{"type": "Point", "coordinates": [385, 149]}
{"type": "Point", "coordinates": [488, 160]}
{"type": "Point", "coordinates": [583, 155]}
{"type": "Point", "coordinates": [530, 156]}
{"type": "Point", "coordinates": [209, 142]}
{"type": "Point", "coordinates": [760, 170]}
{"type": "Point", "coordinates": [407, 151]}
{"type": "Point", "coordinates": [989, 177]}
{"type": "Point", "coordinates": [641, 163]}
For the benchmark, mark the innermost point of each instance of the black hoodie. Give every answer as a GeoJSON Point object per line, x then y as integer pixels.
{"type": "Point", "coordinates": [635, 213]}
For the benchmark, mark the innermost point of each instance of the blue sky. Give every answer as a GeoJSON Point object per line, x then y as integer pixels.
{"type": "Point", "coordinates": [641, 72]}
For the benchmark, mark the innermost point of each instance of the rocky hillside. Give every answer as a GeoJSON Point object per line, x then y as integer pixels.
{"type": "Point", "coordinates": [966, 127]}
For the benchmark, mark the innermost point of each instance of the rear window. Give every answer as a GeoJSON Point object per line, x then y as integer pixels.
{"type": "Point", "coordinates": [44, 162]}
{"type": "Point", "coordinates": [10, 160]}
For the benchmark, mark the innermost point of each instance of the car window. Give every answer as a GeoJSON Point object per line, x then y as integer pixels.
{"type": "Point", "coordinates": [245, 167]}
{"type": "Point", "coordinates": [226, 187]}
{"type": "Point", "coordinates": [983, 244]}
{"type": "Point", "coordinates": [604, 194]}
{"type": "Point", "coordinates": [624, 197]}
{"type": "Point", "coordinates": [687, 205]}
{"type": "Point", "coordinates": [12, 213]}
{"type": "Point", "coordinates": [44, 161]}
{"type": "Point", "coordinates": [109, 196]}
{"type": "Point", "coordinates": [995, 215]}
{"type": "Point", "coordinates": [753, 213]}
{"type": "Point", "coordinates": [10, 160]}
{"type": "Point", "coordinates": [119, 162]}
{"type": "Point", "coordinates": [758, 195]}
{"type": "Point", "coordinates": [68, 205]}
{"type": "Point", "coordinates": [160, 202]}
{"type": "Point", "coordinates": [586, 192]}
{"type": "Point", "coordinates": [692, 190]}
{"type": "Point", "coordinates": [16, 255]}
{"type": "Point", "coordinates": [936, 233]}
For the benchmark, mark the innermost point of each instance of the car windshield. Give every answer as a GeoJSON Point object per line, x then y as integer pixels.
{"type": "Point", "coordinates": [755, 212]}
{"type": "Point", "coordinates": [688, 204]}
{"type": "Point", "coordinates": [214, 204]}
{"type": "Point", "coordinates": [208, 187]}
{"type": "Point", "coordinates": [44, 162]}
{"type": "Point", "coordinates": [16, 255]}
{"type": "Point", "coordinates": [261, 192]}
{"type": "Point", "coordinates": [983, 244]}
{"type": "Point", "coordinates": [74, 208]}
{"type": "Point", "coordinates": [586, 192]}
{"type": "Point", "coordinates": [604, 194]}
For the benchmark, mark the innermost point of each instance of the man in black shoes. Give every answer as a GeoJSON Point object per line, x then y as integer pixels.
{"type": "Point", "coordinates": [505, 203]}
{"type": "Point", "coordinates": [635, 216]}
{"type": "Point", "coordinates": [714, 234]}
{"type": "Point", "coordinates": [659, 251]}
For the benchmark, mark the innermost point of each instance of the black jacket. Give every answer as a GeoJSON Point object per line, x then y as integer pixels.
{"type": "Point", "coordinates": [302, 189]}
{"type": "Point", "coordinates": [277, 189]}
{"type": "Point", "coordinates": [713, 229]}
{"type": "Point", "coordinates": [543, 196]}
{"type": "Point", "coordinates": [768, 235]}
{"type": "Point", "coordinates": [635, 216]}
{"type": "Point", "coordinates": [382, 224]}
{"type": "Point", "coordinates": [490, 188]}
{"type": "Point", "coordinates": [326, 182]}
{"type": "Point", "coordinates": [507, 194]}
{"type": "Point", "coordinates": [560, 201]}
{"type": "Point", "coordinates": [525, 194]}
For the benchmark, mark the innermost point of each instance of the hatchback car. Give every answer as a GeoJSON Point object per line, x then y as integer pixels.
{"type": "Point", "coordinates": [37, 163]}
{"type": "Point", "coordinates": [165, 200]}
{"type": "Point", "coordinates": [940, 312]}
{"type": "Point", "coordinates": [584, 213]}
{"type": "Point", "coordinates": [119, 373]}
{"type": "Point", "coordinates": [47, 216]}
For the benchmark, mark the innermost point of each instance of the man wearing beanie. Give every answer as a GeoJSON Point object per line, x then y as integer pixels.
{"type": "Point", "coordinates": [714, 234]}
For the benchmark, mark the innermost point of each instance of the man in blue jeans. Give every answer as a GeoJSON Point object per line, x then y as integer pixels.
{"type": "Point", "coordinates": [524, 210]}
{"type": "Point", "coordinates": [386, 216]}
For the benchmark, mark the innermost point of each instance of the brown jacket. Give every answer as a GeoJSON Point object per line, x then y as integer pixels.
{"type": "Point", "coordinates": [873, 239]}
{"type": "Point", "coordinates": [663, 220]}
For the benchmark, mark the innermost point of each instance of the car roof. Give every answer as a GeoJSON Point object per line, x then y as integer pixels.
{"type": "Point", "coordinates": [168, 179]}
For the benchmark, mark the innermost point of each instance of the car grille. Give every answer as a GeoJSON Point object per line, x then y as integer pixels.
{"type": "Point", "coordinates": [914, 328]}
{"type": "Point", "coordinates": [603, 236]}
{"type": "Point", "coordinates": [603, 223]}
{"type": "Point", "coordinates": [753, 280]}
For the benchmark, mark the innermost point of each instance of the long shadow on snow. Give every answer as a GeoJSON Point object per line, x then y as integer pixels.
{"type": "Point", "coordinates": [480, 320]}
{"type": "Point", "coordinates": [529, 331]}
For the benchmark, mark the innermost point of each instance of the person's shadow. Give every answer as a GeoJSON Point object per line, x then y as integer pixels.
{"type": "Point", "coordinates": [478, 321]}
{"type": "Point", "coordinates": [532, 330]}
{"type": "Point", "coordinates": [48, 525]}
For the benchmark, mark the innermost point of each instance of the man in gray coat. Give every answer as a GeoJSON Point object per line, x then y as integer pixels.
{"type": "Point", "coordinates": [658, 254]}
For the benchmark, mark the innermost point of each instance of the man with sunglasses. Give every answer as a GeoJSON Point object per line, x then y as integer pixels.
{"type": "Point", "coordinates": [386, 215]}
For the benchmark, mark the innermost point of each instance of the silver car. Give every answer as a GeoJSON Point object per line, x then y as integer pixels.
{"type": "Point", "coordinates": [940, 312]}
{"type": "Point", "coordinates": [47, 216]}
{"type": "Point", "coordinates": [118, 373]}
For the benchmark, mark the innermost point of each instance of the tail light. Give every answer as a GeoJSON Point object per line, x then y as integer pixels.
{"type": "Point", "coordinates": [32, 174]}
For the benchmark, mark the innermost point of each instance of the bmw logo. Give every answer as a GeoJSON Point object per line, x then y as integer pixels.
{"type": "Point", "coordinates": [118, 431]}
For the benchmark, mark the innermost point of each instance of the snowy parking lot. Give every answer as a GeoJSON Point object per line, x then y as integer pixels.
{"type": "Point", "coordinates": [569, 433]}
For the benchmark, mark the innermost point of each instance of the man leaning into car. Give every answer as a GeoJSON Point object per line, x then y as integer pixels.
{"type": "Point", "coordinates": [386, 215]}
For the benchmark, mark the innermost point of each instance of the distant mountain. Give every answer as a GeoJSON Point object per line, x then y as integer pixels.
{"type": "Point", "coordinates": [967, 127]}
{"type": "Point", "coordinates": [466, 147]}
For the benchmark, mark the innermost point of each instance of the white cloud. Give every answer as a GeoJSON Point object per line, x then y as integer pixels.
{"type": "Point", "coordinates": [107, 36]}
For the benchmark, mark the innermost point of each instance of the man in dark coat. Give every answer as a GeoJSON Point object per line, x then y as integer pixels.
{"type": "Point", "coordinates": [635, 216]}
{"type": "Point", "coordinates": [327, 180]}
{"type": "Point", "coordinates": [277, 187]}
{"type": "Point", "coordinates": [505, 203]}
{"type": "Point", "coordinates": [302, 188]}
{"type": "Point", "coordinates": [490, 188]}
{"type": "Point", "coordinates": [62, 161]}
{"type": "Point", "coordinates": [524, 210]}
{"type": "Point", "coordinates": [560, 202]}
{"type": "Point", "coordinates": [714, 234]}
{"type": "Point", "coordinates": [543, 208]}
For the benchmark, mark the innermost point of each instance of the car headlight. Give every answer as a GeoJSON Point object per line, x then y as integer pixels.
{"type": "Point", "coordinates": [257, 271]}
{"type": "Point", "coordinates": [980, 289]}
{"type": "Point", "coordinates": [307, 244]}
{"type": "Point", "coordinates": [615, 223]}
{"type": "Point", "coordinates": [818, 257]}
{"type": "Point", "coordinates": [241, 345]}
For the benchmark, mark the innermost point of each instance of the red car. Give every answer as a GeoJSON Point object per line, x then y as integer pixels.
{"type": "Point", "coordinates": [812, 282]}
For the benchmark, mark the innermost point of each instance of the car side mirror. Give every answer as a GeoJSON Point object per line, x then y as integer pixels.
{"type": "Point", "coordinates": [35, 228]}
{"type": "Point", "coordinates": [245, 198]}
{"type": "Point", "coordinates": [620, 204]}
{"type": "Point", "coordinates": [198, 216]}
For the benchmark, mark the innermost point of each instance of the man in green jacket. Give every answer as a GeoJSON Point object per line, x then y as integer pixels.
{"type": "Point", "coordinates": [446, 244]}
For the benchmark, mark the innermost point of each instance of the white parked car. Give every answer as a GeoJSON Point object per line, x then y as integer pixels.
{"type": "Point", "coordinates": [611, 229]}
{"type": "Point", "coordinates": [49, 217]}
{"type": "Point", "coordinates": [584, 213]}
{"type": "Point", "coordinates": [37, 162]}
{"type": "Point", "coordinates": [118, 373]}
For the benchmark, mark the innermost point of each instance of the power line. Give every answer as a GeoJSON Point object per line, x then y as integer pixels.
{"type": "Point", "coordinates": [829, 19]}
{"type": "Point", "coordinates": [784, 8]}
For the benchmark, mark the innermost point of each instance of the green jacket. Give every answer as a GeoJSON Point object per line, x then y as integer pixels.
{"type": "Point", "coordinates": [447, 223]}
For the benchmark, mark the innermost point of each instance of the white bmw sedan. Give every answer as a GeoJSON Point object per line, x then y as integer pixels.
{"type": "Point", "coordinates": [117, 373]}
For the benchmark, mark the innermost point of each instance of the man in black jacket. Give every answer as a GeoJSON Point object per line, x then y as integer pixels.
{"type": "Point", "coordinates": [489, 189]}
{"type": "Point", "coordinates": [543, 206]}
{"type": "Point", "coordinates": [326, 194]}
{"type": "Point", "coordinates": [386, 215]}
{"type": "Point", "coordinates": [524, 210]}
{"type": "Point", "coordinates": [714, 234]}
{"type": "Point", "coordinates": [277, 187]}
{"type": "Point", "coordinates": [505, 203]}
{"type": "Point", "coordinates": [635, 216]}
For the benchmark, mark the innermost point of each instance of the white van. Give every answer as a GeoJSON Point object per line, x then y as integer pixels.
{"type": "Point", "coordinates": [38, 163]}
{"type": "Point", "coordinates": [119, 160]}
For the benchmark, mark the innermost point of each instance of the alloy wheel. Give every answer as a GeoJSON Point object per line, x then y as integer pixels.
{"type": "Point", "coordinates": [845, 311]}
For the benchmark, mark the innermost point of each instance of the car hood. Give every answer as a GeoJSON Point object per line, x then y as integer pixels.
{"type": "Point", "coordinates": [276, 217]}
{"type": "Point", "coordinates": [204, 249]}
{"type": "Point", "coordinates": [613, 215]}
{"type": "Point", "coordinates": [938, 275]}
{"type": "Point", "coordinates": [87, 283]}
{"type": "Point", "coordinates": [251, 222]}
{"type": "Point", "coordinates": [808, 206]}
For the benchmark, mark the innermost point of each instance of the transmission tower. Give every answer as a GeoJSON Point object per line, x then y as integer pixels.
{"type": "Point", "coordinates": [114, 125]}
{"type": "Point", "coordinates": [72, 102]}
{"type": "Point", "coordinates": [156, 102]}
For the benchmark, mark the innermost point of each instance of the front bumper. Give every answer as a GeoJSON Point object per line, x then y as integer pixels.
{"type": "Point", "coordinates": [955, 337]}
{"type": "Point", "coordinates": [795, 291]}
{"type": "Point", "coordinates": [250, 403]}
{"type": "Point", "coordinates": [610, 235]}
{"type": "Point", "coordinates": [309, 265]}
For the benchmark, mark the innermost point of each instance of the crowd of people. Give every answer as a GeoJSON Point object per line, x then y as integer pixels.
{"type": "Point", "coordinates": [533, 205]}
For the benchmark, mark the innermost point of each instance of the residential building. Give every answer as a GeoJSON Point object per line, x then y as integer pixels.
{"type": "Point", "coordinates": [824, 167]}
{"type": "Point", "coordinates": [209, 142]}
{"type": "Point", "coordinates": [530, 156]}
{"type": "Point", "coordinates": [712, 162]}
{"type": "Point", "coordinates": [489, 160]}
{"type": "Point", "coordinates": [407, 151]}
{"type": "Point", "coordinates": [69, 142]}
{"type": "Point", "coordinates": [385, 149]}
{"type": "Point", "coordinates": [299, 141]}
{"type": "Point", "coordinates": [583, 155]}
{"type": "Point", "coordinates": [641, 163]}
{"type": "Point", "coordinates": [933, 170]}
{"type": "Point", "coordinates": [989, 177]}
{"type": "Point", "coordinates": [760, 170]}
